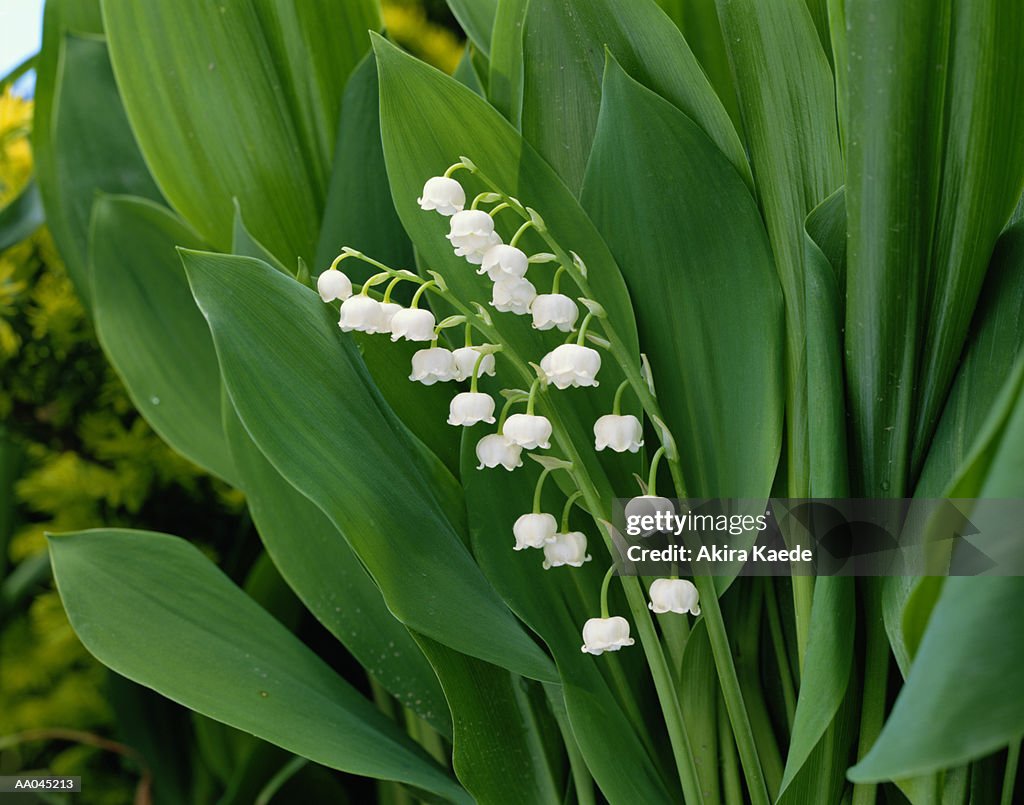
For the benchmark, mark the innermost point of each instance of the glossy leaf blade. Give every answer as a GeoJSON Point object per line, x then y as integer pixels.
{"type": "Point", "coordinates": [477, 19]}
{"type": "Point", "coordinates": [724, 326]}
{"type": "Point", "coordinates": [151, 329]}
{"type": "Point", "coordinates": [564, 46]}
{"type": "Point", "coordinates": [192, 78]}
{"type": "Point", "coordinates": [82, 141]}
{"type": "Point", "coordinates": [133, 598]}
{"type": "Point", "coordinates": [21, 217]}
{"type": "Point", "coordinates": [279, 348]}
{"type": "Point", "coordinates": [328, 577]}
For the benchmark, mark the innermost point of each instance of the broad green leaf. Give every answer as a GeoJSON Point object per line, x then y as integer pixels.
{"type": "Point", "coordinates": [239, 100]}
{"type": "Point", "coordinates": [243, 242]}
{"type": "Point", "coordinates": [961, 700]}
{"type": "Point", "coordinates": [477, 19]}
{"type": "Point", "coordinates": [973, 421]}
{"type": "Point", "coordinates": [787, 99]}
{"type": "Point", "coordinates": [981, 168]}
{"type": "Point", "coordinates": [82, 142]}
{"type": "Point", "coordinates": [497, 751]}
{"type": "Point", "coordinates": [280, 354]}
{"type": "Point", "coordinates": [154, 609]}
{"type": "Point", "coordinates": [151, 330]}
{"type": "Point", "coordinates": [699, 694]}
{"type": "Point", "coordinates": [321, 568]}
{"type": "Point", "coordinates": [415, 100]}
{"type": "Point", "coordinates": [827, 670]}
{"type": "Point", "coordinates": [723, 330]}
{"type": "Point", "coordinates": [506, 73]}
{"type": "Point", "coordinates": [360, 214]}
{"type": "Point", "coordinates": [21, 217]}
{"type": "Point", "coordinates": [555, 605]}
{"type": "Point", "coordinates": [564, 46]}
{"type": "Point", "coordinates": [895, 123]}
{"type": "Point", "coordinates": [698, 20]}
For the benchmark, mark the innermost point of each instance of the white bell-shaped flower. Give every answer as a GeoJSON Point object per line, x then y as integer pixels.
{"type": "Point", "coordinates": [658, 510]}
{"type": "Point", "coordinates": [503, 261]}
{"type": "Point", "coordinates": [567, 549]}
{"type": "Point", "coordinates": [534, 531]}
{"type": "Point", "coordinates": [387, 315]}
{"type": "Point", "coordinates": [472, 235]}
{"type": "Point", "coordinates": [434, 365]}
{"type": "Point", "coordinates": [605, 634]}
{"type": "Point", "coordinates": [471, 407]}
{"type": "Point", "coordinates": [619, 432]}
{"type": "Point", "coordinates": [528, 431]}
{"type": "Point", "coordinates": [674, 595]}
{"type": "Point", "coordinates": [443, 194]}
{"type": "Point", "coordinates": [494, 450]}
{"type": "Point", "coordinates": [465, 361]}
{"type": "Point", "coordinates": [513, 295]}
{"type": "Point", "coordinates": [571, 365]}
{"type": "Point", "coordinates": [413, 324]}
{"type": "Point", "coordinates": [554, 310]}
{"type": "Point", "coordinates": [333, 284]}
{"type": "Point", "coordinates": [360, 313]}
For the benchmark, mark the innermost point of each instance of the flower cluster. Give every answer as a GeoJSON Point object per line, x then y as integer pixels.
{"type": "Point", "coordinates": [573, 364]}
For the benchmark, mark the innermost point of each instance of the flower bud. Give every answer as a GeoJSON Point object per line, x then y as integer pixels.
{"type": "Point", "coordinates": [554, 310]}
{"type": "Point", "coordinates": [512, 295]}
{"type": "Point", "coordinates": [674, 595]}
{"type": "Point", "coordinates": [433, 365]}
{"type": "Point", "coordinates": [471, 407]}
{"type": "Point", "coordinates": [494, 450]}
{"type": "Point", "coordinates": [566, 549]}
{"type": "Point", "coordinates": [332, 284]}
{"type": "Point", "coordinates": [412, 324]}
{"type": "Point", "coordinates": [360, 313]}
{"type": "Point", "coordinates": [571, 365]}
{"type": "Point", "coordinates": [528, 431]}
{"type": "Point", "coordinates": [465, 361]}
{"type": "Point", "coordinates": [443, 194]}
{"type": "Point", "coordinates": [605, 634]}
{"type": "Point", "coordinates": [620, 433]}
{"type": "Point", "coordinates": [504, 262]}
{"type": "Point", "coordinates": [472, 234]}
{"type": "Point", "coordinates": [534, 531]}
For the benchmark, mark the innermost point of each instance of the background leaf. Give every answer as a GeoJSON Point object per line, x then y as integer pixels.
{"type": "Point", "coordinates": [279, 348]}
{"type": "Point", "coordinates": [133, 598]}
{"type": "Point", "coordinates": [193, 77]}
{"type": "Point", "coordinates": [706, 332]}
{"type": "Point", "coordinates": [564, 47]}
{"type": "Point", "coordinates": [151, 330]}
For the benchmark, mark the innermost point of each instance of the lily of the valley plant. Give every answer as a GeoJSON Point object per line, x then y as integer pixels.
{"type": "Point", "coordinates": [432, 326]}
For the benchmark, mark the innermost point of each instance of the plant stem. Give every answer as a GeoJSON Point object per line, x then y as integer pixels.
{"type": "Point", "coordinates": [1010, 775]}
{"type": "Point", "coordinates": [732, 790]}
{"type": "Point", "coordinates": [781, 654]}
{"type": "Point", "coordinates": [876, 673]}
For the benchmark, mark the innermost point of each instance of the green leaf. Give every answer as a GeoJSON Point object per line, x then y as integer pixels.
{"type": "Point", "coordinates": [505, 74]}
{"type": "Point", "coordinates": [328, 577]}
{"type": "Point", "coordinates": [279, 348]}
{"type": "Point", "coordinates": [21, 217]}
{"type": "Point", "coordinates": [827, 670]}
{"type": "Point", "coordinates": [564, 47]}
{"type": "Point", "coordinates": [959, 700]}
{"type": "Point", "coordinates": [786, 95]}
{"type": "Point", "coordinates": [725, 328]}
{"type": "Point", "coordinates": [154, 609]}
{"type": "Point", "coordinates": [497, 750]}
{"type": "Point", "coordinates": [81, 141]}
{"type": "Point", "coordinates": [244, 243]}
{"type": "Point", "coordinates": [151, 330]}
{"type": "Point", "coordinates": [200, 80]}
{"type": "Point", "coordinates": [477, 19]}
{"type": "Point", "coordinates": [982, 174]}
